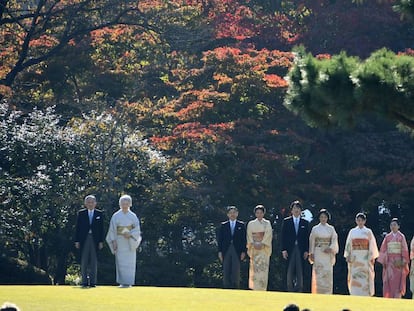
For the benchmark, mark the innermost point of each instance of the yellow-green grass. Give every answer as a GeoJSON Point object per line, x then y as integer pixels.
{"type": "Point", "coordinates": [105, 298]}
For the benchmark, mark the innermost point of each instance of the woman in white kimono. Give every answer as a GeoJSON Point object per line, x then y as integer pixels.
{"type": "Point", "coordinates": [259, 249]}
{"type": "Point", "coordinates": [360, 252]}
{"type": "Point", "coordinates": [123, 238]}
{"type": "Point", "coordinates": [323, 247]}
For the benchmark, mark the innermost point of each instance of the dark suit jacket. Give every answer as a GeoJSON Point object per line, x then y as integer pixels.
{"type": "Point", "coordinates": [224, 237]}
{"type": "Point", "coordinates": [289, 235]}
{"type": "Point", "coordinates": [83, 227]}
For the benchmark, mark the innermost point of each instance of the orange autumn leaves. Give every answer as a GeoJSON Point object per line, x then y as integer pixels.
{"type": "Point", "coordinates": [260, 61]}
{"type": "Point", "coordinates": [207, 112]}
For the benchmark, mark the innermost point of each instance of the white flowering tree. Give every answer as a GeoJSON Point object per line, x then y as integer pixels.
{"type": "Point", "coordinates": [49, 167]}
{"type": "Point", "coordinates": [35, 176]}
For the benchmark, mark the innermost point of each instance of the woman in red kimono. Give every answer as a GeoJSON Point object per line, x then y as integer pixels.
{"type": "Point", "coordinates": [394, 259]}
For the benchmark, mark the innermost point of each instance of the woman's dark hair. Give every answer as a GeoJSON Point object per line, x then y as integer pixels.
{"type": "Point", "coordinates": [324, 211]}
{"type": "Point", "coordinates": [259, 207]}
{"type": "Point", "coordinates": [361, 215]}
{"type": "Point", "coordinates": [395, 219]}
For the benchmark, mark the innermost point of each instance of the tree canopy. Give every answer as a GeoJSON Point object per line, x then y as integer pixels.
{"type": "Point", "coordinates": [339, 90]}
{"type": "Point", "coordinates": [182, 105]}
{"type": "Point", "coordinates": [33, 32]}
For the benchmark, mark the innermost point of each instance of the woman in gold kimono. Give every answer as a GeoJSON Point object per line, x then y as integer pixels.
{"type": "Point", "coordinates": [323, 247]}
{"type": "Point", "coordinates": [259, 249]}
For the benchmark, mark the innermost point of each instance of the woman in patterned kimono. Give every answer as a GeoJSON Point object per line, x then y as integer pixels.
{"type": "Point", "coordinates": [123, 238]}
{"type": "Point", "coordinates": [259, 249]}
{"type": "Point", "coordinates": [323, 247]}
{"type": "Point", "coordinates": [394, 259]}
{"type": "Point", "coordinates": [360, 252]}
{"type": "Point", "coordinates": [412, 267]}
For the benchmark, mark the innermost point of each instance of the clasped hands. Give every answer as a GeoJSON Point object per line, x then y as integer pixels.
{"type": "Point", "coordinates": [258, 245]}
{"type": "Point", "coordinates": [100, 245]}
{"type": "Point", "coordinates": [285, 255]}
{"type": "Point", "coordinates": [221, 258]}
{"type": "Point", "coordinates": [351, 260]}
{"type": "Point", "coordinates": [327, 250]}
{"type": "Point", "coordinates": [126, 235]}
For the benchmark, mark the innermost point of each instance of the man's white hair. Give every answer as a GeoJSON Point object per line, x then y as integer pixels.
{"type": "Point", "coordinates": [90, 196]}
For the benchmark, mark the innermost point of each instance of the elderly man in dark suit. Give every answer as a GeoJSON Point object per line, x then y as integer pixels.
{"type": "Point", "coordinates": [231, 239]}
{"type": "Point", "coordinates": [295, 246]}
{"type": "Point", "coordinates": [89, 239]}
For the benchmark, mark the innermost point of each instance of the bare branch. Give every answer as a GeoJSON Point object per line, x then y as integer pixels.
{"type": "Point", "coordinates": [71, 27]}
{"type": "Point", "coordinates": [403, 120]}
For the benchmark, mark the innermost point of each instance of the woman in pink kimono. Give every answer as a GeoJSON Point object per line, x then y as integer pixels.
{"type": "Point", "coordinates": [259, 249]}
{"type": "Point", "coordinates": [323, 247]}
{"type": "Point", "coordinates": [394, 259]}
{"type": "Point", "coordinates": [412, 267]}
{"type": "Point", "coordinates": [360, 252]}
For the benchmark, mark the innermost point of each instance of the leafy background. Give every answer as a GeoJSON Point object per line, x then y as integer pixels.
{"type": "Point", "coordinates": [181, 105]}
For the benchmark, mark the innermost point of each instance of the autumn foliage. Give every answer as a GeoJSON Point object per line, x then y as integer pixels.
{"type": "Point", "coordinates": [180, 104]}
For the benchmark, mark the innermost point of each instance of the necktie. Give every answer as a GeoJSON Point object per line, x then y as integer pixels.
{"type": "Point", "coordinates": [232, 223]}
{"type": "Point", "coordinates": [90, 216]}
{"type": "Point", "coordinates": [296, 225]}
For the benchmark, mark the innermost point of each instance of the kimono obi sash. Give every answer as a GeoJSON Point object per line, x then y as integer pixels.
{"type": "Point", "coordinates": [360, 244]}
{"type": "Point", "coordinates": [120, 230]}
{"type": "Point", "coordinates": [322, 242]}
{"type": "Point", "coordinates": [394, 248]}
{"type": "Point", "coordinates": [258, 236]}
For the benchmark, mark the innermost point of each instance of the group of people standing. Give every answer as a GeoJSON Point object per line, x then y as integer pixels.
{"type": "Point", "coordinates": [123, 238]}
{"type": "Point", "coordinates": [236, 241]}
{"type": "Point", "coordinates": [318, 246]}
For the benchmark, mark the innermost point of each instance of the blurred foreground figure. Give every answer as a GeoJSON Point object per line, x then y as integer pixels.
{"type": "Point", "coordinates": [8, 306]}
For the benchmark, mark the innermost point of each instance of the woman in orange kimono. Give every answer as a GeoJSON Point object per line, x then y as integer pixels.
{"type": "Point", "coordinates": [394, 259]}
{"type": "Point", "coordinates": [360, 253]}
{"type": "Point", "coordinates": [259, 249]}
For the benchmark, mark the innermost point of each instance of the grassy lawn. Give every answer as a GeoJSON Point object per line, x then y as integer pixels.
{"type": "Point", "coordinates": [110, 298]}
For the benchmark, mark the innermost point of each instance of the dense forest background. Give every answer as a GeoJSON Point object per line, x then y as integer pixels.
{"type": "Point", "coordinates": [182, 105]}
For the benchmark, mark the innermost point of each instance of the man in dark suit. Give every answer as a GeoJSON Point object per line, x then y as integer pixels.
{"type": "Point", "coordinates": [231, 239]}
{"type": "Point", "coordinates": [89, 239]}
{"type": "Point", "coordinates": [295, 247]}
